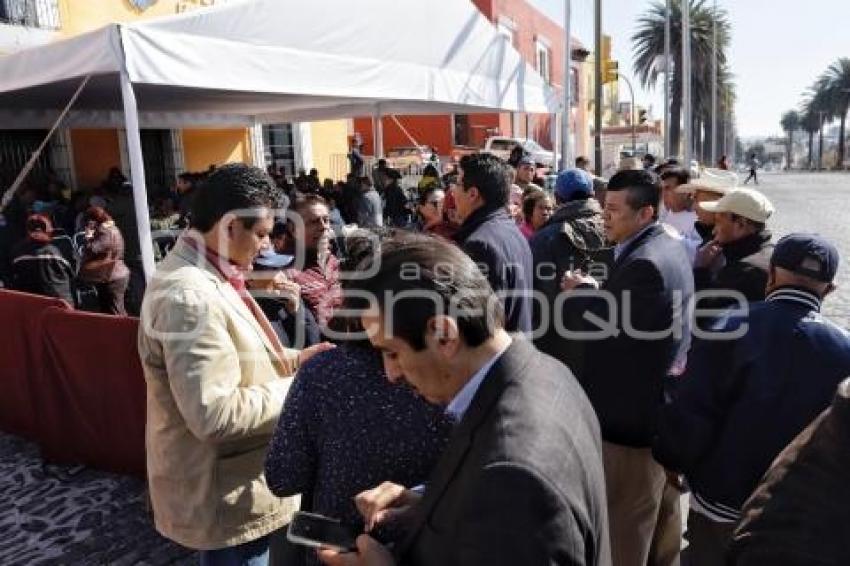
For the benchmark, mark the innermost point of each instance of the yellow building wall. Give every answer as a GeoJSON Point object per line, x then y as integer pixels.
{"type": "Point", "coordinates": [95, 153]}
{"type": "Point", "coordinates": [80, 16]}
{"type": "Point", "coordinates": [329, 139]}
{"type": "Point", "coordinates": [202, 148]}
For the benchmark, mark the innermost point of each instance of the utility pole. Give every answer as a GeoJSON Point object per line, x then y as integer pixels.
{"type": "Point", "coordinates": [820, 141]}
{"type": "Point", "coordinates": [566, 145]}
{"type": "Point", "coordinates": [687, 111]}
{"type": "Point", "coordinates": [597, 114]}
{"type": "Point", "coordinates": [667, 83]}
{"type": "Point", "coordinates": [714, 87]}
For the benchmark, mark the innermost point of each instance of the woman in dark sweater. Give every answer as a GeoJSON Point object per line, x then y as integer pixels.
{"type": "Point", "coordinates": [38, 266]}
{"type": "Point", "coordinates": [345, 428]}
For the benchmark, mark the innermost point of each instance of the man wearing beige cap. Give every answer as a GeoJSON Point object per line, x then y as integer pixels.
{"type": "Point", "coordinates": [738, 256]}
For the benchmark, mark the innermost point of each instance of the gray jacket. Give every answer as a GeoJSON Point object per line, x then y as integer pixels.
{"type": "Point", "coordinates": [521, 481]}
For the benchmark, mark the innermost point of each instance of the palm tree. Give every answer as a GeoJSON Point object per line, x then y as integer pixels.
{"type": "Point", "coordinates": [810, 123]}
{"type": "Point", "coordinates": [818, 107]}
{"type": "Point", "coordinates": [790, 124]}
{"type": "Point", "coordinates": [648, 47]}
{"type": "Point", "coordinates": [834, 87]}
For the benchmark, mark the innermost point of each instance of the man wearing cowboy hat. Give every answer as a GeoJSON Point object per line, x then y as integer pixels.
{"type": "Point", "coordinates": [711, 186]}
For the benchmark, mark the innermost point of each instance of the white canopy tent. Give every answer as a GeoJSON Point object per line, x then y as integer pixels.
{"type": "Point", "coordinates": [267, 61]}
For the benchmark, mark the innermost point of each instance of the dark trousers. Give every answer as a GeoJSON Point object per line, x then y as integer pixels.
{"type": "Point", "coordinates": [136, 286]}
{"type": "Point", "coordinates": [708, 541]}
{"type": "Point", "coordinates": [111, 296]}
{"type": "Point", "coordinates": [753, 175]}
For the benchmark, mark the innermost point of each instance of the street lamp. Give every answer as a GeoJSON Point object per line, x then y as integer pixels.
{"type": "Point", "coordinates": [634, 133]}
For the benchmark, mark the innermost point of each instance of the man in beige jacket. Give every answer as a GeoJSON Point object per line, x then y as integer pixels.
{"type": "Point", "coordinates": [216, 377]}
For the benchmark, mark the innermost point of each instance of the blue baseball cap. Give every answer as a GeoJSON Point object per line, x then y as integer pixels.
{"type": "Point", "coordinates": [807, 254]}
{"type": "Point", "coordinates": [572, 183]}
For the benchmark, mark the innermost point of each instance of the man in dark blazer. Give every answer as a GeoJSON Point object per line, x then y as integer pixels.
{"type": "Point", "coordinates": [645, 304]}
{"type": "Point", "coordinates": [491, 238]}
{"type": "Point", "coordinates": [521, 481]}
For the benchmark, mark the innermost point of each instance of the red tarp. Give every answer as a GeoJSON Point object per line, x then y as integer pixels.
{"type": "Point", "coordinates": [72, 381]}
{"type": "Point", "coordinates": [20, 358]}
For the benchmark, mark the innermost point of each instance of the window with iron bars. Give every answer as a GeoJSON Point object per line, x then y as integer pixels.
{"type": "Point", "coordinates": [43, 14]}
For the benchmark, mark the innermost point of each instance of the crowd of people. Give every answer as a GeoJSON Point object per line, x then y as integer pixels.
{"type": "Point", "coordinates": [482, 371]}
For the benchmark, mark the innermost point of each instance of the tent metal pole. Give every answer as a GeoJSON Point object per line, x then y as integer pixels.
{"type": "Point", "coordinates": [10, 193]}
{"type": "Point", "coordinates": [379, 132]}
{"type": "Point", "coordinates": [137, 174]}
{"type": "Point", "coordinates": [404, 130]}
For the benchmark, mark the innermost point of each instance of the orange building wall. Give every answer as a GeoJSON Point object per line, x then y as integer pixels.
{"type": "Point", "coordinates": [95, 152]}
{"type": "Point", "coordinates": [202, 148]}
{"type": "Point", "coordinates": [436, 130]}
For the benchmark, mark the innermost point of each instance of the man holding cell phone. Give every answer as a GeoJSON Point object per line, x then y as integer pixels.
{"type": "Point", "coordinates": [216, 376]}
{"type": "Point", "coordinates": [521, 481]}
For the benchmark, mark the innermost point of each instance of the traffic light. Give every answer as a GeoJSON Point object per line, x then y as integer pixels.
{"type": "Point", "coordinates": [610, 72]}
{"type": "Point", "coordinates": [641, 117]}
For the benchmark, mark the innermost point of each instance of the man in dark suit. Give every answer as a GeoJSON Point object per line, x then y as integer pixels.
{"type": "Point", "coordinates": [521, 481]}
{"type": "Point", "coordinates": [491, 238]}
{"type": "Point", "coordinates": [644, 303]}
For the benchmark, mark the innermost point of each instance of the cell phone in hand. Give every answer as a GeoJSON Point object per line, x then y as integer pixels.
{"type": "Point", "coordinates": [318, 531]}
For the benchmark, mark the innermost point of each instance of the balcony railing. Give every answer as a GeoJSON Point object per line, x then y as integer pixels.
{"type": "Point", "coordinates": [42, 14]}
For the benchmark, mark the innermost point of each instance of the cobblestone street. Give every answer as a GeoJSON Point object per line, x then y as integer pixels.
{"type": "Point", "coordinates": [815, 202]}
{"type": "Point", "coordinates": [60, 515]}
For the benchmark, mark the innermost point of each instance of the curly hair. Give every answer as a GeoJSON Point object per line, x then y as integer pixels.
{"type": "Point", "coordinates": [234, 187]}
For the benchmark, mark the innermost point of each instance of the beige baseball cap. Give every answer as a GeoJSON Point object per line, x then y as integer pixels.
{"type": "Point", "coordinates": [716, 181]}
{"type": "Point", "coordinates": [748, 203]}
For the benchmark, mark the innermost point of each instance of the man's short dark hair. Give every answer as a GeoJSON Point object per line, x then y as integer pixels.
{"type": "Point", "coordinates": [581, 161]}
{"type": "Point", "coordinates": [649, 158]}
{"type": "Point", "coordinates": [418, 277]}
{"type": "Point", "coordinates": [489, 174]}
{"type": "Point", "coordinates": [305, 201]}
{"type": "Point", "coordinates": [642, 188]}
{"type": "Point", "coordinates": [682, 176]}
{"type": "Point", "coordinates": [298, 205]}
{"type": "Point", "coordinates": [234, 187]}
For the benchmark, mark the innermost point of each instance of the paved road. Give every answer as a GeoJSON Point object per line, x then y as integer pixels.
{"type": "Point", "coordinates": [807, 202]}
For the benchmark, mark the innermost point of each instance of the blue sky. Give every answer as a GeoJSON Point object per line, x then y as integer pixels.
{"type": "Point", "coordinates": [778, 49]}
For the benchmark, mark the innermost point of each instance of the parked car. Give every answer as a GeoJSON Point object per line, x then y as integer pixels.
{"type": "Point", "coordinates": [502, 146]}
{"type": "Point", "coordinates": [412, 157]}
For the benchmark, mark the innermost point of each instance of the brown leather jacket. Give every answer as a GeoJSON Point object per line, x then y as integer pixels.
{"type": "Point", "coordinates": [800, 513]}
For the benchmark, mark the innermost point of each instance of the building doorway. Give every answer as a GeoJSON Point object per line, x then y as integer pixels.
{"type": "Point", "coordinates": [279, 143]}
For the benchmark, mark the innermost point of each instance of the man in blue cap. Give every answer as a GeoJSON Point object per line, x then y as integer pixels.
{"type": "Point", "coordinates": [753, 382]}
{"type": "Point", "coordinates": [571, 240]}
